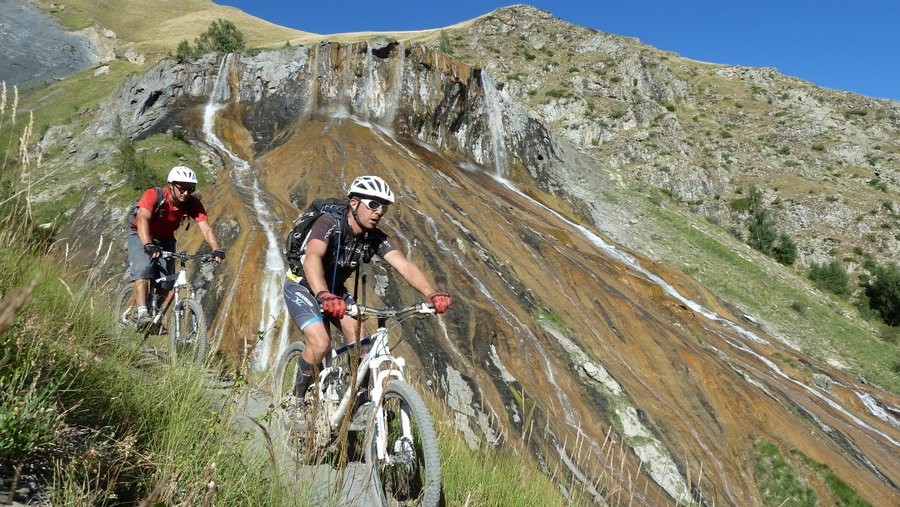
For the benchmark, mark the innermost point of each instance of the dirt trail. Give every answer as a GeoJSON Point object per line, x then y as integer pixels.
{"type": "Point", "coordinates": [315, 484]}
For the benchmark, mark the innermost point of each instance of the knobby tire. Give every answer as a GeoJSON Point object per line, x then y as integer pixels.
{"type": "Point", "coordinates": [414, 478]}
{"type": "Point", "coordinates": [192, 343]}
{"type": "Point", "coordinates": [125, 307]}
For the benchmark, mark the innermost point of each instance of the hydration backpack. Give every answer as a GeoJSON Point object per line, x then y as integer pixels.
{"type": "Point", "coordinates": [295, 244]}
{"type": "Point", "coordinates": [160, 199]}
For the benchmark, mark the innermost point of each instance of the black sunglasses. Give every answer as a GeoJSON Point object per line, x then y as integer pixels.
{"type": "Point", "coordinates": [373, 205]}
{"type": "Point", "coordinates": [189, 189]}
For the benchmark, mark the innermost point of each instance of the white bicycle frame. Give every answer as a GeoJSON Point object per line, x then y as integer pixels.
{"type": "Point", "coordinates": [181, 281]}
{"type": "Point", "coordinates": [380, 354]}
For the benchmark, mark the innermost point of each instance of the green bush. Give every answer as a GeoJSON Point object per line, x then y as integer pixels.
{"type": "Point", "coordinates": [785, 250]}
{"type": "Point", "coordinates": [444, 43]}
{"type": "Point", "coordinates": [184, 51]}
{"type": "Point", "coordinates": [133, 166]}
{"type": "Point", "coordinates": [29, 418]}
{"type": "Point", "coordinates": [179, 134]}
{"type": "Point", "coordinates": [762, 229]}
{"type": "Point", "coordinates": [884, 293]}
{"type": "Point", "coordinates": [831, 277]}
{"type": "Point", "coordinates": [222, 36]}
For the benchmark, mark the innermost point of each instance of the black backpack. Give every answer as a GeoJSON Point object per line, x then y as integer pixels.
{"type": "Point", "coordinates": [295, 244]}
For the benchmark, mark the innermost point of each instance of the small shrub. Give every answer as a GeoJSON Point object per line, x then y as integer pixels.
{"type": "Point", "coordinates": [830, 277]}
{"type": "Point", "coordinates": [133, 166]}
{"type": "Point", "coordinates": [798, 307]}
{"type": "Point", "coordinates": [739, 205]}
{"type": "Point", "coordinates": [818, 147]}
{"type": "Point", "coordinates": [784, 150]}
{"type": "Point", "coordinates": [29, 418]}
{"type": "Point", "coordinates": [851, 113]}
{"type": "Point", "coordinates": [785, 250]}
{"type": "Point", "coordinates": [179, 134]}
{"type": "Point", "coordinates": [184, 52]}
{"type": "Point", "coordinates": [878, 184]}
{"type": "Point", "coordinates": [890, 334]}
{"type": "Point", "coordinates": [222, 36]}
{"type": "Point", "coordinates": [557, 93]}
{"type": "Point", "coordinates": [444, 43]}
{"type": "Point", "coordinates": [884, 293]}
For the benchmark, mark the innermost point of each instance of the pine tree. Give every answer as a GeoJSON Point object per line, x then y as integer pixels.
{"type": "Point", "coordinates": [785, 251]}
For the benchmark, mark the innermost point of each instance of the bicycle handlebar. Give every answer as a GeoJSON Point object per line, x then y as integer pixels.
{"type": "Point", "coordinates": [365, 312]}
{"type": "Point", "coordinates": [184, 256]}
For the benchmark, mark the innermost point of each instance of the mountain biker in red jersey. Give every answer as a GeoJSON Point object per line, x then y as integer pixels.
{"type": "Point", "coordinates": [154, 230]}
{"type": "Point", "coordinates": [327, 265]}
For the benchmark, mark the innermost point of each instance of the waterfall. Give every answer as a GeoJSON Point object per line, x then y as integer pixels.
{"type": "Point", "coordinates": [494, 112]}
{"type": "Point", "coordinates": [272, 308]}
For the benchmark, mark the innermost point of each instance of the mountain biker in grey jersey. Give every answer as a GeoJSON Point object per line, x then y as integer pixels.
{"type": "Point", "coordinates": [369, 198]}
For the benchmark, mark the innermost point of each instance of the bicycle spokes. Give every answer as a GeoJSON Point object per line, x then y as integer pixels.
{"type": "Point", "coordinates": [404, 448]}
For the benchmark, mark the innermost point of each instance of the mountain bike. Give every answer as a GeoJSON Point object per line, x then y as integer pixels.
{"type": "Point", "coordinates": [400, 441]}
{"type": "Point", "coordinates": [187, 327]}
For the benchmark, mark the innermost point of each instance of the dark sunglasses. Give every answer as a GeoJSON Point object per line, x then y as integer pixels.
{"type": "Point", "coordinates": [184, 188]}
{"type": "Point", "coordinates": [374, 205]}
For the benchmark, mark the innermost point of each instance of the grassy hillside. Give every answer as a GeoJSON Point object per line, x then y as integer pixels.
{"type": "Point", "coordinates": [124, 428]}
{"type": "Point", "coordinates": [162, 24]}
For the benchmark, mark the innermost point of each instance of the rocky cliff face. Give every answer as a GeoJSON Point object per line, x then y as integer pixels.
{"type": "Point", "coordinates": [827, 161]}
{"type": "Point", "coordinates": [619, 373]}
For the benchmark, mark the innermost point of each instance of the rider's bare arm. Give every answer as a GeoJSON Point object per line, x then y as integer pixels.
{"type": "Point", "coordinates": [313, 270]}
{"type": "Point", "coordinates": [209, 236]}
{"type": "Point", "coordinates": [409, 271]}
{"type": "Point", "coordinates": [142, 220]}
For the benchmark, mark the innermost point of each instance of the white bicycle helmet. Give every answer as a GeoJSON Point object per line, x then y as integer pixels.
{"type": "Point", "coordinates": [371, 186]}
{"type": "Point", "coordinates": [182, 174]}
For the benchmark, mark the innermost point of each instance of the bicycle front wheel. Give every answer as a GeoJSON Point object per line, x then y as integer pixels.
{"type": "Point", "coordinates": [286, 371]}
{"type": "Point", "coordinates": [409, 471]}
{"type": "Point", "coordinates": [187, 332]}
{"type": "Point", "coordinates": [125, 308]}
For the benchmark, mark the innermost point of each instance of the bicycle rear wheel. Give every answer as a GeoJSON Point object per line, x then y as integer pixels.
{"type": "Point", "coordinates": [409, 473]}
{"type": "Point", "coordinates": [187, 332]}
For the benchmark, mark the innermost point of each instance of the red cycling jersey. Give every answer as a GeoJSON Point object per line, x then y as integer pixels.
{"type": "Point", "coordinates": [165, 222]}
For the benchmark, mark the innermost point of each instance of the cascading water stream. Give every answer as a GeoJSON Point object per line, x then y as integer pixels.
{"type": "Point", "coordinates": [494, 110]}
{"type": "Point", "coordinates": [272, 306]}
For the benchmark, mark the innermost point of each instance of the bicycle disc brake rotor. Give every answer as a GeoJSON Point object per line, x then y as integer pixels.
{"type": "Point", "coordinates": [404, 453]}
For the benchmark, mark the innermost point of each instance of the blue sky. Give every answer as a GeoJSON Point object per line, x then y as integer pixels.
{"type": "Point", "coordinates": [853, 46]}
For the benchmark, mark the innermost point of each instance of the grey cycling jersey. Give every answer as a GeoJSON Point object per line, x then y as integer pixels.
{"type": "Point", "coordinates": [351, 249]}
